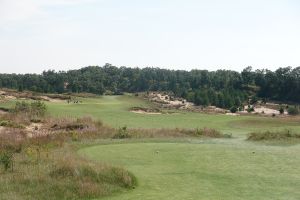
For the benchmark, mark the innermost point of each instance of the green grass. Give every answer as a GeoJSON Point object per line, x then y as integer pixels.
{"type": "Point", "coordinates": [114, 111]}
{"type": "Point", "coordinates": [209, 169]}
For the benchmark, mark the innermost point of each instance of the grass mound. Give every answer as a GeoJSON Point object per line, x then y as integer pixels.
{"type": "Point", "coordinates": [285, 135]}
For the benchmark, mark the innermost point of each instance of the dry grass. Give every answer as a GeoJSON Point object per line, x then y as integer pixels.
{"type": "Point", "coordinates": [285, 135]}
{"type": "Point", "coordinates": [173, 133]}
{"type": "Point", "coordinates": [46, 167]}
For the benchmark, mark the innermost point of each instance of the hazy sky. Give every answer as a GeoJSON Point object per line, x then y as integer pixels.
{"type": "Point", "coordinates": [178, 34]}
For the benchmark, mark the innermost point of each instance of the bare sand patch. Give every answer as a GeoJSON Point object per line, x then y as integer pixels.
{"type": "Point", "coordinates": [45, 98]}
{"type": "Point", "coordinates": [8, 97]}
{"type": "Point", "coordinates": [36, 130]}
{"type": "Point", "coordinates": [2, 112]}
{"type": "Point", "coordinates": [145, 112]}
{"type": "Point", "coordinates": [268, 111]}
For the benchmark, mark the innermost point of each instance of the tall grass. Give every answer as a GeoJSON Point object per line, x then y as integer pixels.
{"type": "Point", "coordinates": [284, 135]}
{"type": "Point", "coordinates": [44, 170]}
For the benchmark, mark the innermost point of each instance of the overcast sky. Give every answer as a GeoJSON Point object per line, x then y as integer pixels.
{"type": "Point", "coordinates": [36, 35]}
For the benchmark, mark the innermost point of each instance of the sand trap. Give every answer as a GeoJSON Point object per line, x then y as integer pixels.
{"type": "Point", "coordinates": [145, 113]}
{"type": "Point", "coordinates": [265, 110]}
{"type": "Point", "coordinates": [51, 99]}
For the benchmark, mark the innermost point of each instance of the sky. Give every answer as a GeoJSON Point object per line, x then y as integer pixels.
{"type": "Point", "coordinates": [37, 35]}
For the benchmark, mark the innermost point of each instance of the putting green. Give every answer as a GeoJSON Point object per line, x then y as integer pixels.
{"type": "Point", "coordinates": [209, 169]}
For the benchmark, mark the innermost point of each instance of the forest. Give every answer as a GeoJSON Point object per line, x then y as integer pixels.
{"type": "Point", "coordinates": [222, 88]}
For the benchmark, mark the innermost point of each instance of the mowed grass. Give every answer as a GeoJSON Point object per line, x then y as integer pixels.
{"type": "Point", "coordinates": [114, 111]}
{"type": "Point", "coordinates": [208, 170]}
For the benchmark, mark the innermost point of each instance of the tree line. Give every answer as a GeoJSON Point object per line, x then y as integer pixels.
{"type": "Point", "coordinates": [222, 88]}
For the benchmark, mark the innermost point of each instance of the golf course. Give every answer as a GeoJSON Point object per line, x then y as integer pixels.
{"type": "Point", "coordinates": [149, 100]}
{"type": "Point", "coordinates": [115, 111]}
{"type": "Point", "coordinates": [193, 168]}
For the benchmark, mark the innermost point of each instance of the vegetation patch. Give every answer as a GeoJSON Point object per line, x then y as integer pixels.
{"type": "Point", "coordinates": [11, 124]}
{"type": "Point", "coordinates": [46, 167]}
{"type": "Point", "coordinates": [285, 135]}
{"type": "Point", "coordinates": [212, 133]}
{"type": "Point", "coordinates": [177, 132]}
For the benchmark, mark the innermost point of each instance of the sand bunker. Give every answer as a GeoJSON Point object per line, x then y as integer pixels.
{"type": "Point", "coordinates": [264, 110]}
{"type": "Point", "coordinates": [45, 98]}
{"type": "Point", "coordinates": [145, 112]}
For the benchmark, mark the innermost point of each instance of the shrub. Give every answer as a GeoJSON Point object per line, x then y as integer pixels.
{"type": "Point", "coordinates": [122, 133]}
{"type": "Point", "coordinates": [281, 110]}
{"type": "Point", "coordinates": [250, 109]}
{"type": "Point", "coordinates": [38, 108]}
{"type": "Point", "coordinates": [34, 109]}
{"type": "Point", "coordinates": [6, 159]}
{"type": "Point", "coordinates": [233, 109]}
{"type": "Point", "coordinates": [22, 107]}
{"type": "Point", "coordinates": [293, 111]}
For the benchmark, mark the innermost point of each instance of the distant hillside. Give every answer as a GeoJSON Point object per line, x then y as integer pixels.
{"type": "Point", "coordinates": [222, 88]}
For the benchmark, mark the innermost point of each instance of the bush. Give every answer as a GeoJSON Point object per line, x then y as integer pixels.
{"type": "Point", "coordinates": [34, 109]}
{"type": "Point", "coordinates": [281, 110]}
{"type": "Point", "coordinates": [293, 111]}
{"type": "Point", "coordinates": [6, 159]}
{"type": "Point", "coordinates": [122, 133]}
{"type": "Point", "coordinates": [250, 109]}
{"type": "Point", "coordinates": [38, 108]}
{"type": "Point", "coordinates": [233, 109]}
{"type": "Point", "coordinates": [22, 107]}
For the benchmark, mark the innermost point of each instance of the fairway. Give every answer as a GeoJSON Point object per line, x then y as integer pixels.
{"type": "Point", "coordinates": [114, 111]}
{"type": "Point", "coordinates": [222, 169]}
